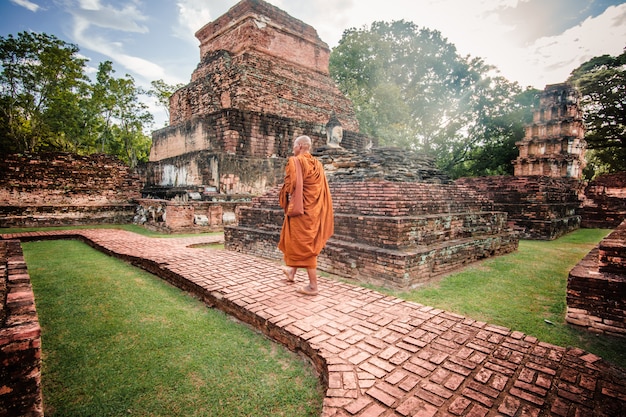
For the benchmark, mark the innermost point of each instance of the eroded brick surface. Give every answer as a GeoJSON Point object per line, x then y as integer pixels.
{"type": "Point", "coordinates": [378, 355]}
{"type": "Point", "coordinates": [20, 337]}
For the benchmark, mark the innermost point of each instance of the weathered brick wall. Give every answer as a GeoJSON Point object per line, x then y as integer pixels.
{"type": "Point", "coordinates": [259, 145]}
{"type": "Point", "coordinates": [596, 287]}
{"type": "Point", "coordinates": [540, 207]}
{"type": "Point", "coordinates": [604, 203]}
{"type": "Point", "coordinates": [62, 188]}
{"type": "Point", "coordinates": [257, 83]}
{"type": "Point", "coordinates": [173, 216]}
{"type": "Point", "coordinates": [394, 233]}
{"type": "Point", "coordinates": [20, 337]}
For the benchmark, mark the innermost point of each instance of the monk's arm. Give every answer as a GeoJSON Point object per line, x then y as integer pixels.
{"type": "Point", "coordinates": [290, 175]}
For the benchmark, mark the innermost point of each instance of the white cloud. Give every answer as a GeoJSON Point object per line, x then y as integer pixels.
{"type": "Point", "coordinates": [551, 59]}
{"type": "Point", "coordinates": [125, 19]}
{"type": "Point", "coordinates": [33, 7]}
{"type": "Point", "coordinates": [192, 15]}
{"type": "Point", "coordinates": [476, 28]}
{"type": "Point", "coordinates": [91, 14]}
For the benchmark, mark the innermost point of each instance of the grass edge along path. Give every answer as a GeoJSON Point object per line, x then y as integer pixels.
{"type": "Point", "coordinates": [117, 340]}
{"type": "Point", "coordinates": [524, 291]}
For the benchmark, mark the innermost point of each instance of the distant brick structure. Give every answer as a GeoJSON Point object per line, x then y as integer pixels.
{"type": "Point", "coordinates": [20, 337]}
{"type": "Point", "coordinates": [539, 207]}
{"type": "Point", "coordinates": [51, 189]}
{"type": "Point", "coordinates": [554, 143]}
{"type": "Point", "coordinates": [604, 202]}
{"type": "Point", "coordinates": [262, 81]}
{"type": "Point", "coordinates": [596, 287]}
{"type": "Point", "coordinates": [399, 222]}
{"type": "Point", "coordinates": [542, 198]}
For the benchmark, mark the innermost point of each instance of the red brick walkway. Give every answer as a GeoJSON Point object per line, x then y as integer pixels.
{"type": "Point", "coordinates": [379, 355]}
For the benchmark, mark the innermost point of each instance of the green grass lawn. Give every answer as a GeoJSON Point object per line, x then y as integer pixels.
{"type": "Point", "coordinates": [118, 341]}
{"type": "Point", "coordinates": [524, 291]}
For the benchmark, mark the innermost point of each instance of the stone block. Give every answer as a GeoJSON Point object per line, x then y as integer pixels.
{"type": "Point", "coordinates": [596, 288]}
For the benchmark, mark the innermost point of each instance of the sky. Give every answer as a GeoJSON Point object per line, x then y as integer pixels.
{"type": "Point", "coordinates": [532, 42]}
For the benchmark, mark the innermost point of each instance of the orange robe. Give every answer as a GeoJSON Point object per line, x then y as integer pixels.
{"type": "Point", "coordinates": [303, 237]}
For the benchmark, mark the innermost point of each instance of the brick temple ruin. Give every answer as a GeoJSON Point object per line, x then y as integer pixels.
{"type": "Point", "coordinates": [542, 197]}
{"type": "Point", "coordinates": [399, 222]}
{"type": "Point", "coordinates": [262, 81]}
{"type": "Point", "coordinates": [55, 189]}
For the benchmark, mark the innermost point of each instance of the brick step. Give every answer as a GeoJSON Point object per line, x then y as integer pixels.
{"type": "Point", "coordinates": [400, 268]}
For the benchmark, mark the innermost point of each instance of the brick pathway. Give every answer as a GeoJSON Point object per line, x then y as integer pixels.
{"type": "Point", "coordinates": [379, 355]}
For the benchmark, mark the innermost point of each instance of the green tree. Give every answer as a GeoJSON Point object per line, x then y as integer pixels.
{"type": "Point", "coordinates": [48, 103]}
{"type": "Point", "coordinates": [411, 89]}
{"type": "Point", "coordinates": [602, 84]}
{"type": "Point", "coordinates": [162, 93]}
{"type": "Point", "coordinates": [495, 149]}
{"type": "Point", "coordinates": [40, 79]}
{"type": "Point", "coordinates": [124, 116]}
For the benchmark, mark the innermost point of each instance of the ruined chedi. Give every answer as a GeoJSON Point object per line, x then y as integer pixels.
{"type": "Point", "coordinates": [541, 199]}
{"type": "Point", "coordinates": [262, 81]}
{"type": "Point", "coordinates": [399, 221]}
{"type": "Point", "coordinates": [554, 143]}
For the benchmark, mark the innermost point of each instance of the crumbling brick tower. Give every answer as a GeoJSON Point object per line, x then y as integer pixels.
{"type": "Point", "coordinates": [554, 143]}
{"type": "Point", "coordinates": [541, 199]}
{"type": "Point", "coordinates": [263, 80]}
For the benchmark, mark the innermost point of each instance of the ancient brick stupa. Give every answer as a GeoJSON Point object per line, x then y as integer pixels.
{"type": "Point", "coordinates": [542, 198]}
{"type": "Point", "coordinates": [554, 144]}
{"type": "Point", "coordinates": [262, 80]}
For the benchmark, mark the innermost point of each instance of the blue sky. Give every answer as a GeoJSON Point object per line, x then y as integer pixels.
{"type": "Point", "coordinates": [533, 42]}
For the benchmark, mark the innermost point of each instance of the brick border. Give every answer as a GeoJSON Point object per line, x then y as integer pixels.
{"type": "Point", "coordinates": [20, 337]}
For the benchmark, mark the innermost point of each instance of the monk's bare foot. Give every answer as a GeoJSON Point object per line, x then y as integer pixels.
{"type": "Point", "coordinates": [290, 273]}
{"type": "Point", "coordinates": [307, 290]}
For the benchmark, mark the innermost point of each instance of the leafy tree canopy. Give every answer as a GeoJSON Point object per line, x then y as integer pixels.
{"type": "Point", "coordinates": [412, 89]}
{"type": "Point", "coordinates": [47, 102]}
{"type": "Point", "coordinates": [602, 84]}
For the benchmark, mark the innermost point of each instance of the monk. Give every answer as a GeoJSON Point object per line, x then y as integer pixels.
{"type": "Point", "coordinates": [303, 237]}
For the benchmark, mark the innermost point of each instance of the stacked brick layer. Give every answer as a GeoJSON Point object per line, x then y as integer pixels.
{"type": "Point", "coordinates": [604, 203]}
{"type": "Point", "coordinates": [20, 337]}
{"type": "Point", "coordinates": [252, 147]}
{"type": "Point", "coordinates": [59, 188]}
{"type": "Point", "coordinates": [258, 83]}
{"type": "Point", "coordinates": [259, 26]}
{"type": "Point", "coordinates": [596, 287]}
{"type": "Point", "coordinates": [394, 233]}
{"type": "Point", "coordinates": [379, 355]}
{"type": "Point", "coordinates": [540, 207]}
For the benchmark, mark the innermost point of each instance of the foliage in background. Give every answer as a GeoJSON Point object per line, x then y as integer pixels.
{"type": "Point", "coordinates": [602, 84]}
{"type": "Point", "coordinates": [42, 83]}
{"type": "Point", "coordinates": [47, 102]}
{"type": "Point", "coordinates": [411, 89]}
{"type": "Point", "coordinates": [409, 86]}
{"type": "Point", "coordinates": [162, 93]}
